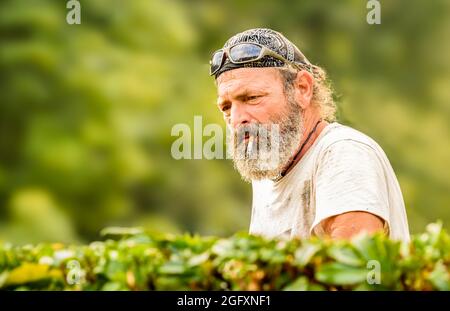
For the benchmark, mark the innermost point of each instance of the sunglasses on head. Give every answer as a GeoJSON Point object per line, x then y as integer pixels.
{"type": "Point", "coordinates": [242, 53]}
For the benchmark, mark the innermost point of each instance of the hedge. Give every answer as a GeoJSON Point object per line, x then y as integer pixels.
{"type": "Point", "coordinates": [131, 259]}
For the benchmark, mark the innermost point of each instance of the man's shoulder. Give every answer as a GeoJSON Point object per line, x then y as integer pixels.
{"type": "Point", "coordinates": [343, 134]}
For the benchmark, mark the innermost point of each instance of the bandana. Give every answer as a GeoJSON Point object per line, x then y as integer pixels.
{"type": "Point", "coordinates": [269, 38]}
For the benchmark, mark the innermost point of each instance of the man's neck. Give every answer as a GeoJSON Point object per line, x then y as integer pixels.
{"type": "Point", "coordinates": [309, 125]}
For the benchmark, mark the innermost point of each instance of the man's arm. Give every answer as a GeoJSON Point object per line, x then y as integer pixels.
{"type": "Point", "coordinates": [351, 192]}
{"type": "Point", "coordinates": [347, 225]}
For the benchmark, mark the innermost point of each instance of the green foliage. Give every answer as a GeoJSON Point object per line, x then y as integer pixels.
{"type": "Point", "coordinates": [131, 259]}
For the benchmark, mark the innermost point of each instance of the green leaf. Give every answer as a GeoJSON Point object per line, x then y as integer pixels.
{"type": "Point", "coordinates": [346, 255]}
{"type": "Point", "coordinates": [172, 268]}
{"type": "Point", "coordinates": [198, 259]}
{"type": "Point", "coordinates": [340, 274]}
{"type": "Point", "coordinates": [112, 286]}
{"type": "Point", "coordinates": [304, 254]}
{"type": "Point", "coordinates": [440, 277]}
{"type": "Point", "coordinates": [27, 272]}
{"type": "Point", "coordinates": [300, 284]}
{"type": "Point", "coordinates": [120, 231]}
{"type": "Point", "coordinates": [3, 278]}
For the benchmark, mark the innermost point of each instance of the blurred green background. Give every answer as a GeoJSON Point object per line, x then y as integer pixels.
{"type": "Point", "coordinates": [86, 110]}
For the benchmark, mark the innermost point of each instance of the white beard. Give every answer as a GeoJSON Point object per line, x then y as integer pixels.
{"type": "Point", "coordinates": [270, 147]}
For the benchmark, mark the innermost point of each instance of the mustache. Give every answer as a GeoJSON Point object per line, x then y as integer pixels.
{"type": "Point", "coordinates": [251, 131]}
{"type": "Point", "coordinates": [254, 140]}
{"type": "Point", "coordinates": [246, 131]}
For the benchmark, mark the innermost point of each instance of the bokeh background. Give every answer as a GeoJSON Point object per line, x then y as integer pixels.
{"type": "Point", "coordinates": [86, 110]}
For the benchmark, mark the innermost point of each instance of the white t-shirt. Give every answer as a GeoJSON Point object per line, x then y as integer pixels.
{"type": "Point", "coordinates": [344, 170]}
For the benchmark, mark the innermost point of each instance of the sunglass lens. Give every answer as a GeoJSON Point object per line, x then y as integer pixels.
{"type": "Point", "coordinates": [245, 52]}
{"type": "Point", "coordinates": [216, 61]}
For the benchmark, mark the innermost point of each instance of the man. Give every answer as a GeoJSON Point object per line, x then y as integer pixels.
{"type": "Point", "coordinates": [328, 179]}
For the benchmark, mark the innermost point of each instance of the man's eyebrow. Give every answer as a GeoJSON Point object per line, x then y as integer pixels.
{"type": "Point", "coordinates": [240, 96]}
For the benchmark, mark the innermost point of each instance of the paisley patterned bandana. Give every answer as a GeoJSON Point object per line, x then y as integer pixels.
{"type": "Point", "coordinates": [269, 38]}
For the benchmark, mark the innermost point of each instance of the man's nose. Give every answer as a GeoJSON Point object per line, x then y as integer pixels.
{"type": "Point", "coordinates": [239, 116]}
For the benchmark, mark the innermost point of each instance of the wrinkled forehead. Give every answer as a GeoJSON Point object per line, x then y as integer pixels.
{"type": "Point", "coordinates": [236, 80]}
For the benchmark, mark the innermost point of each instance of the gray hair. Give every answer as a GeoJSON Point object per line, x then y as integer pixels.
{"type": "Point", "coordinates": [322, 90]}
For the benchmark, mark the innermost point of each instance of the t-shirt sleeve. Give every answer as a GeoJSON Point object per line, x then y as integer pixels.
{"type": "Point", "coordinates": [349, 177]}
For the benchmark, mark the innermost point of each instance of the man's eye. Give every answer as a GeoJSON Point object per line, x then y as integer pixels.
{"type": "Point", "coordinates": [225, 108]}
{"type": "Point", "coordinates": [253, 97]}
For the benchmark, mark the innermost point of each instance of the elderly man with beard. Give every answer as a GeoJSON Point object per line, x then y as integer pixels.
{"type": "Point", "coordinates": [327, 179]}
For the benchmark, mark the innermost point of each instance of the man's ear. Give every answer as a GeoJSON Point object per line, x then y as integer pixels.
{"type": "Point", "coordinates": [304, 84]}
